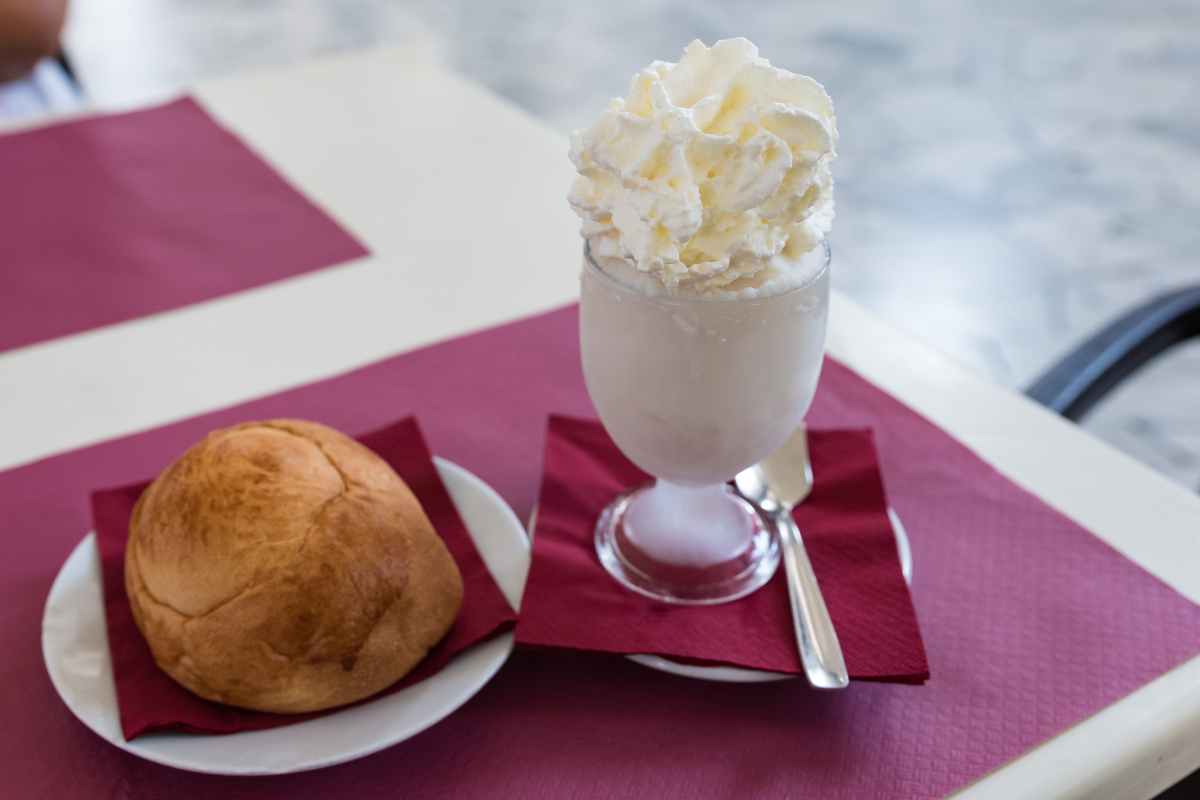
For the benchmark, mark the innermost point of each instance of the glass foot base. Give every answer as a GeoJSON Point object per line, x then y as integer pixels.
{"type": "Point", "coordinates": [677, 545]}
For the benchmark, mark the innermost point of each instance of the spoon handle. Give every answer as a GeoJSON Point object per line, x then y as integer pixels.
{"type": "Point", "coordinates": [818, 643]}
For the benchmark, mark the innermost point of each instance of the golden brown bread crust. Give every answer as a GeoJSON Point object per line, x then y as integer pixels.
{"type": "Point", "coordinates": [282, 566]}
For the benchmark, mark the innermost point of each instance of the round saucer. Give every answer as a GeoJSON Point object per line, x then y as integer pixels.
{"type": "Point", "coordinates": [75, 648]}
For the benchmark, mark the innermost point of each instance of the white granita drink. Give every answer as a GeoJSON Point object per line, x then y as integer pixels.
{"type": "Point", "coordinates": [706, 196]}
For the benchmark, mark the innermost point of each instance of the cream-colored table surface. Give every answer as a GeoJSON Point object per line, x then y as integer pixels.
{"type": "Point", "coordinates": [460, 199]}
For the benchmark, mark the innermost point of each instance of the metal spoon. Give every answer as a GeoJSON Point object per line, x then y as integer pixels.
{"type": "Point", "coordinates": [777, 485]}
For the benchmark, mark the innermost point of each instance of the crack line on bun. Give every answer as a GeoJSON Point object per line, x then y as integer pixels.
{"type": "Point", "coordinates": [148, 593]}
{"type": "Point", "coordinates": [278, 426]}
{"type": "Point", "coordinates": [312, 527]}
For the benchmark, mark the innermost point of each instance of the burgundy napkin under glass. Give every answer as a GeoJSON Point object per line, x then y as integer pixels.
{"type": "Point", "coordinates": [571, 602]}
{"type": "Point", "coordinates": [149, 700]}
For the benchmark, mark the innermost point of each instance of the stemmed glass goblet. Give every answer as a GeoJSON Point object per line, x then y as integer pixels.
{"type": "Point", "coordinates": [694, 389]}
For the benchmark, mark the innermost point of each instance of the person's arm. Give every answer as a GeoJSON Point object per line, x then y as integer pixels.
{"type": "Point", "coordinates": [29, 31]}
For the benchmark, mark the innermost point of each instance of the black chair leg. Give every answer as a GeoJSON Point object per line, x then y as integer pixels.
{"type": "Point", "coordinates": [1090, 371]}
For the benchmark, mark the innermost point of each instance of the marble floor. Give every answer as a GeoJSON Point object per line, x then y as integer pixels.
{"type": "Point", "coordinates": [1012, 174]}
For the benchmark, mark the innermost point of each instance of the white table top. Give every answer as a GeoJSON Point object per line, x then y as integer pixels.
{"type": "Point", "coordinates": [461, 200]}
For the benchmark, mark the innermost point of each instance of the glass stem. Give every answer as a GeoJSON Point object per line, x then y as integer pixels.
{"type": "Point", "coordinates": [677, 495]}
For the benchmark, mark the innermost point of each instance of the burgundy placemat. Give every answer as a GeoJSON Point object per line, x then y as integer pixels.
{"type": "Point", "coordinates": [114, 217]}
{"type": "Point", "coordinates": [150, 700]}
{"type": "Point", "coordinates": [1030, 622]}
{"type": "Point", "coordinates": [847, 535]}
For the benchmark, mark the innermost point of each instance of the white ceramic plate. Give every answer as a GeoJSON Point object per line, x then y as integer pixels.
{"type": "Point", "coordinates": [740, 675]}
{"type": "Point", "coordinates": [75, 647]}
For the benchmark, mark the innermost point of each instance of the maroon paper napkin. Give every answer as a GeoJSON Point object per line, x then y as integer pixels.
{"type": "Point", "coordinates": [846, 531]}
{"type": "Point", "coordinates": [149, 700]}
{"type": "Point", "coordinates": [114, 217]}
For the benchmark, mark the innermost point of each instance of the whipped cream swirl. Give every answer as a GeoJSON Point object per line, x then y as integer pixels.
{"type": "Point", "coordinates": [713, 174]}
